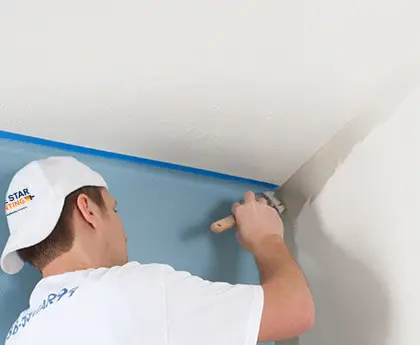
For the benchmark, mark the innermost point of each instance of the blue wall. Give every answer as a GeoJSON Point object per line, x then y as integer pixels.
{"type": "Point", "coordinates": [167, 213]}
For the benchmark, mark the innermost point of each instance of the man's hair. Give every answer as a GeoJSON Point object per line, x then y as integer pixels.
{"type": "Point", "coordinates": [61, 239]}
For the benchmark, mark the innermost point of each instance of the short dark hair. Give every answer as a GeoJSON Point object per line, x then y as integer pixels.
{"type": "Point", "coordinates": [61, 239]}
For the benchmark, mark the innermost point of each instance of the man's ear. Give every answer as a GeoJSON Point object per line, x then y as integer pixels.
{"type": "Point", "coordinates": [88, 210]}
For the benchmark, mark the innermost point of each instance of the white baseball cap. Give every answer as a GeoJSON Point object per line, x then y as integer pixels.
{"type": "Point", "coordinates": [35, 199]}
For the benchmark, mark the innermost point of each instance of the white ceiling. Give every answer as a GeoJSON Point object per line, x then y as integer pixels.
{"type": "Point", "coordinates": [250, 88]}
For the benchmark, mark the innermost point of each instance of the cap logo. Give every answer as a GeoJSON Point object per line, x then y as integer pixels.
{"type": "Point", "coordinates": [18, 201]}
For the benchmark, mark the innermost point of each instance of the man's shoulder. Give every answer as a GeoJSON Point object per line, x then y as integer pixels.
{"type": "Point", "coordinates": [137, 270]}
{"type": "Point", "coordinates": [137, 266]}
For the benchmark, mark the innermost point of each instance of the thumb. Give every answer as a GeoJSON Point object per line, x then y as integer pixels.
{"type": "Point", "coordinates": [235, 207]}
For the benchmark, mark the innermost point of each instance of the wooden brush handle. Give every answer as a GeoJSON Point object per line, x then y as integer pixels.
{"type": "Point", "coordinates": [223, 224]}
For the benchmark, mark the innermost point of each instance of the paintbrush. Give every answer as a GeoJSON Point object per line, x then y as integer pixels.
{"type": "Point", "coordinates": [229, 222]}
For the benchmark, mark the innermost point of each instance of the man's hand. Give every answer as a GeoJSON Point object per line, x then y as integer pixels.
{"type": "Point", "coordinates": [256, 221]}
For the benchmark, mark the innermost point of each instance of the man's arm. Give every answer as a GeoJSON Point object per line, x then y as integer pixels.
{"type": "Point", "coordinates": [280, 307]}
{"type": "Point", "coordinates": [288, 309]}
{"type": "Point", "coordinates": [288, 306]}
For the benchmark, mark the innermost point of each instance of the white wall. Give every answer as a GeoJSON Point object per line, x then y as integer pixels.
{"type": "Point", "coordinates": [358, 238]}
{"type": "Point", "coordinates": [251, 88]}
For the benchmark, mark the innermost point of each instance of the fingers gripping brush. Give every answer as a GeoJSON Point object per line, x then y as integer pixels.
{"type": "Point", "coordinates": [230, 221]}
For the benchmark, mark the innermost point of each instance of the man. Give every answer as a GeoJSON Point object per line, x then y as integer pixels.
{"type": "Point", "coordinates": [63, 221]}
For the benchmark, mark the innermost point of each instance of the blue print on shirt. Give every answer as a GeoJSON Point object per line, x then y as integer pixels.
{"type": "Point", "coordinates": [52, 298]}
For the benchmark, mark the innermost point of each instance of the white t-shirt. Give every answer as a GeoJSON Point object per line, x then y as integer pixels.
{"type": "Point", "coordinates": [138, 304]}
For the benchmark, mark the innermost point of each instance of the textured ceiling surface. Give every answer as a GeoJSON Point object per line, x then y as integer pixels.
{"type": "Point", "coordinates": [249, 88]}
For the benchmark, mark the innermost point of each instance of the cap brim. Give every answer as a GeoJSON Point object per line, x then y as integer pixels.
{"type": "Point", "coordinates": [11, 263]}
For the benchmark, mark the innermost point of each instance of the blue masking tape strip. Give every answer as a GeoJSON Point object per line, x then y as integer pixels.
{"type": "Point", "coordinates": [128, 158]}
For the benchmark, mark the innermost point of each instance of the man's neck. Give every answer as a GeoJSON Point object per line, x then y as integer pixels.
{"type": "Point", "coordinates": [69, 262]}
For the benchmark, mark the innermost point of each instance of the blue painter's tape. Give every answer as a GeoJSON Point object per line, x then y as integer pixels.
{"type": "Point", "coordinates": [129, 158]}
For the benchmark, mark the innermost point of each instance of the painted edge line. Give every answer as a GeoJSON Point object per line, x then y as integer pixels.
{"type": "Point", "coordinates": [128, 158]}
